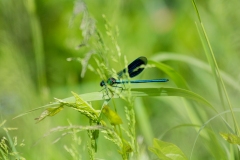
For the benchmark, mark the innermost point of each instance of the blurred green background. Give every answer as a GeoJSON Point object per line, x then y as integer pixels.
{"type": "Point", "coordinates": [37, 38]}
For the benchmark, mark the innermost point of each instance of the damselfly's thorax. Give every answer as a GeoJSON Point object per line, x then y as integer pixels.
{"type": "Point", "coordinates": [111, 81]}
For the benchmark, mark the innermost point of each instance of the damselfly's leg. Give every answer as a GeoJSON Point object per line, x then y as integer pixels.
{"type": "Point", "coordinates": [105, 92]}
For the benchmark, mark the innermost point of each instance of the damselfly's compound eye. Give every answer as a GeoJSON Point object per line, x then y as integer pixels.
{"type": "Point", "coordinates": [102, 83]}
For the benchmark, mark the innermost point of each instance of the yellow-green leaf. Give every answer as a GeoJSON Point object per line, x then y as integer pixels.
{"type": "Point", "coordinates": [112, 116]}
{"type": "Point", "coordinates": [231, 138]}
{"type": "Point", "coordinates": [49, 112]}
{"type": "Point", "coordinates": [85, 108]}
{"type": "Point", "coordinates": [81, 106]}
{"type": "Point", "coordinates": [167, 151]}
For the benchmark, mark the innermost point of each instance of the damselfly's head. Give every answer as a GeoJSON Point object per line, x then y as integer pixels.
{"type": "Point", "coordinates": [102, 83]}
{"type": "Point", "coordinates": [111, 81]}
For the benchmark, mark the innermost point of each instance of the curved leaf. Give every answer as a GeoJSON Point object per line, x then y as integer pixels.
{"type": "Point", "coordinates": [52, 111]}
{"type": "Point", "coordinates": [167, 151]}
{"type": "Point", "coordinates": [141, 92]}
{"type": "Point", "coordinates": [112, 116]}
{"type": "Point", "coordinates": [174, 75]}
{"type": "Point", "coordinates": [136, 92]}
{"type": "Point", "coordinates": [163, 56]}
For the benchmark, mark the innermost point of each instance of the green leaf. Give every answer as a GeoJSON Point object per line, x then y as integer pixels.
{"type": "Point", "coordinates": [112, 116]}
{"type": "Point", "coordinates": [83, 107]}
{"type": "Point", "coordinates": [166, 151]}
{"type": "Point", "coordinates": [49, 112]}
{"type": "Point", "coordinates": [231, 138]}
{"type": "Point", "coordinates": [174, 76]}
{"type": "Point", "coordinates": [93, 96]}
{"type": "Point", "coordinates": [141, 92]}
{"type": "Point", "coordinates": [194, 62]}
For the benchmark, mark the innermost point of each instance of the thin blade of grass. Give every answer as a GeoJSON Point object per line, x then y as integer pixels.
{"type": "Point", "coordinates": [174, 76]}
{"type": "Point", "coordinates": [213, 63]}
{"type": "Point", "coordinates": [193, 112]}
{"type": "Point", "coordinates": [142, 92]}
{"type": "Point", "coordinates": [163, 56]}
{"type": "Point", "coordinates": [136, 92]}
{"type": "Point", "coordinates": [207, 122]}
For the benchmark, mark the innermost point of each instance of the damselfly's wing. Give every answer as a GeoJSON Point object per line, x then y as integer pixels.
{"type": "Point", "coordinates": [134, 68]}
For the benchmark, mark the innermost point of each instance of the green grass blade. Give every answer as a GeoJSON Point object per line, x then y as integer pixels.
{"type": "Point", "coordinates": [38, 48]}
{"type": "Point", "coordinates": [193, 112]}
{"type": "Point", "coordinates": [207, 122]}
{"type": "Point", "coordinates": [194, 62]}
{"type": "Point", "coordinates": [142, 92]}
{"type": "Point", "coordinates": [214, 66]}
{"type": "Point", "coordinates": [174, 76]}
{"type": "Point", "coordinates": [175, 127]}
{"type": "Point", "coordinates": [136, 92]}
{"type": "Point", "coordinates": [143, 121]}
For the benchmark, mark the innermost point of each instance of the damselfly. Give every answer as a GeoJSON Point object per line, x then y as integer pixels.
{"type": "Point", "coordinates": [133, 69]}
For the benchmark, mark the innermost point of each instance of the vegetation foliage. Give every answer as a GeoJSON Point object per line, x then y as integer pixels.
{"type": "Point", "coordinates": [65, 48]}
